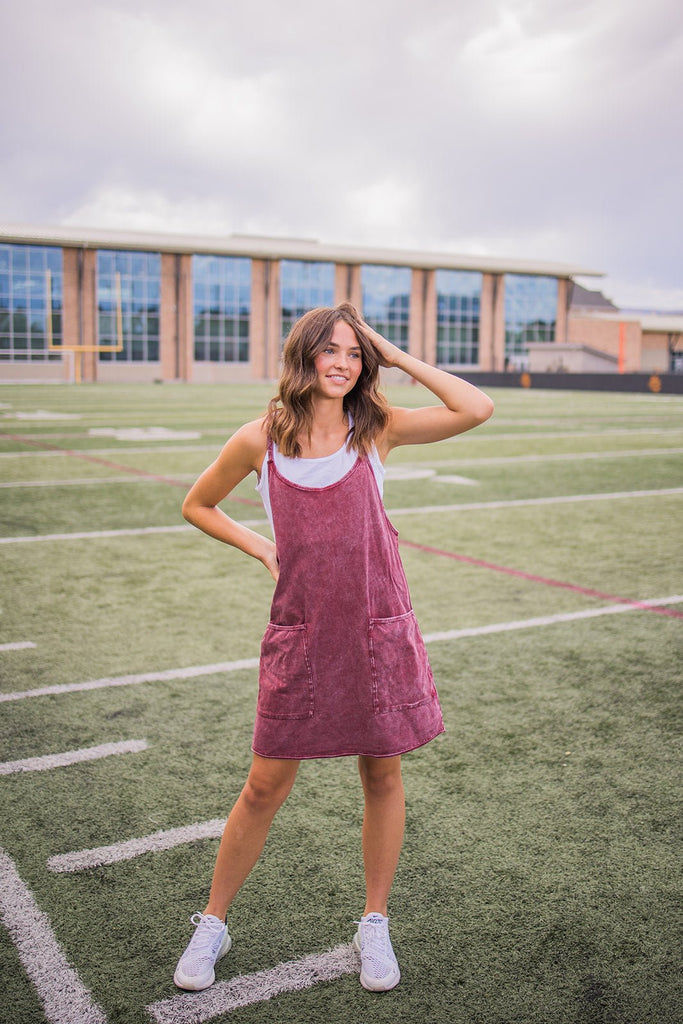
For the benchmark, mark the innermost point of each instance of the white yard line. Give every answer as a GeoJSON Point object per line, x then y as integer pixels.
{"type": "Point", "coordinates": [546, 620]}
{"type": "Point", "coordinates": [501, 460]}
{"type": "Point", "coordinates": [195, 671]}
{"type": "Point", "coordinates": [486, 435]}
{"type": "Point", "coordinates": [65, 998]}
{"type": "Point", "coordinates": [247, 989]}
{"type": "Point", "coordinates": [118, 450]}
{"type": "Point", "coordinates": [398, 471]}
{"type": "Point", "coordinates": [564, 499]}
{"type": "Point", "coordinates": [165, 839]}
{"type": "Point", "coordinates": [19, 645]}
{"type": "Point", "coordinates": [134, 531]}
{"type": "Point", "coordinates": [489, 434]}
{"type": "Point", "coordinates": [165, 676]}
{"type": "Point", "coordinates": [48, 761]}
{"type": "Point", "coordinates": [87, 480]}
{"type": "Point", "coordinates": [417, 510]}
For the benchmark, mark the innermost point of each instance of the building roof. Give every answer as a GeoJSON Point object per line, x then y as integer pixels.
{"type": "Point", "coordinates": [262, 247]}
{"type": "Point", "coordinates": [584, 298]}
{"type": "Point", "coordinates": [655, 323]}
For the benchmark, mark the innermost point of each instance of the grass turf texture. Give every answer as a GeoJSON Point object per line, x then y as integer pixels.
{"type": "Point", "coordinates": [538, 880]}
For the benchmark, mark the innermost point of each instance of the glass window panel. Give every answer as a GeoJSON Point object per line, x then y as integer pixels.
{"type": "Point", "coordinates": [138, 266]}
{"type": "Point", "coordinates": [304, 285]}
{"type": "Point", "coordinates": [140, 287]}
{"type": "Point", "coordinates": [53, 260]}
{"type": "Point", "coordinates": [19, 257]}
{"type": "Point", "coordinates": [386, 301]}
{"type": "Point", "coordinates": [530, 314]}
{"type": "Point", "coordinates": [221, 285]}
{"type": "Point", "coordinates": [24, 301]}
{"type": "Point", "coordinates": [458, 304]}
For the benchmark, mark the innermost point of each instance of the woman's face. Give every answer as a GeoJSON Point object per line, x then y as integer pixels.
{"type": "Point", "coordinates": [339, 365]}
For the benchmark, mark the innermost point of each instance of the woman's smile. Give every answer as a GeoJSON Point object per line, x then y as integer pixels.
{"type": "Point", "coordinates": [340, 363]}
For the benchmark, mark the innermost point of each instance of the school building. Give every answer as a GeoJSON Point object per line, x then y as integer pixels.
{"type": "Point", "coordinates": [105, 305]}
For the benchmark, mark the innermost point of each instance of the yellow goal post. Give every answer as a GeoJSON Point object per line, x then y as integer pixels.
{"type": "Point", "coordinates": [77, 350]}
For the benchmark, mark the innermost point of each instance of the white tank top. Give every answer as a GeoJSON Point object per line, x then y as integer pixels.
{"type": "Point", "coordinates": [315, 472]}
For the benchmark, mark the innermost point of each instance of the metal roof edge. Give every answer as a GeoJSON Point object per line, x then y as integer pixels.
{"type": "Point", "coordinates": [265, 247]}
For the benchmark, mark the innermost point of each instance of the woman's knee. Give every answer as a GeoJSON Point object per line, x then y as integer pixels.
{"type": "Point", "coordinates": [268, 785]}
{"type": "Point", "coordinates": [380, 776]}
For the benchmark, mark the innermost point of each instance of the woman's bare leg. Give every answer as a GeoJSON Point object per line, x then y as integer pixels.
{"type": "Point", "coordinates": [266, 789]}
{"type": "Point", "coordinates": [383, 825]}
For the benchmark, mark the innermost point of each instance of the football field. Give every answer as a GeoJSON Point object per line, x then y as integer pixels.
{"type": "Point", "coordinates": [540, 877]}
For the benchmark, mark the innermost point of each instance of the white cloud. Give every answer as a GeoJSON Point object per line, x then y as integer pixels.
{"type": "Point", "coordinates": [527, 128]}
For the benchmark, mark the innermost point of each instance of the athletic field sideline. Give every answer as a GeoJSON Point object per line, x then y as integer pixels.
{"type": "Point", "coordinates": [540, 876]}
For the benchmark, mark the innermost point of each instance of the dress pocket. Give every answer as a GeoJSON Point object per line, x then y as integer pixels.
{"type": "Point", "coordinates": [285, 678]}
{"type": "Point", "coordinates": [401, 674]}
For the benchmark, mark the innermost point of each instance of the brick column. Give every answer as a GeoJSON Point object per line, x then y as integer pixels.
{"type": "Point", "coordinates": [90, 359]}
{"type": "Point", "coordinates": [71, 303]}
{"type": "Point", "coordinates": [185, 316]}
{"type": "Point", "coordinates": [341, 283]}
{"type": "Point", "coordinates": [168, 319]}
{"type": "Point", "coordinates": [486, 322]}
{"type": "Point", "coordinates": [273, 321]}
{"type": "Point", "coordinates": [257, 321]}
{"type": "Point", "coordinates": [416, 315]}
{"type": "Point", "coordinates": [430, 311]}
{"type": "Point", "coordinates": [562, 310]}
{"type": "Point", "coordinates": [79, 315]}
{"type": "Point", "coordinates": [498, 347]}
{"type": "Point", "coordinates": [356, 287]}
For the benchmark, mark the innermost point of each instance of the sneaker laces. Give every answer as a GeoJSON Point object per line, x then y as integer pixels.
{"type": "Point", "coordinates": [375, 944]}
{"type": "Point", "coordinates": [202, 943]}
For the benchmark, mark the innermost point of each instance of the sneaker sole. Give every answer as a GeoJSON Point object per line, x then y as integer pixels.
{"type": "Point", "coordinates": [181, 980]}
{"type": "Point", "coordinates": [377, 984]}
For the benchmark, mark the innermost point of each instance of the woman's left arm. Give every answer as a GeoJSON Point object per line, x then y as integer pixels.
{"type": "Point", "coordinates": [464, 405]}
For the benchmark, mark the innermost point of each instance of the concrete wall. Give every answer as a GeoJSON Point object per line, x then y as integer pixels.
{"type": "Point", "coordinates": [549, 357]}
{"type": "Point", "coordinates": [655, 355]}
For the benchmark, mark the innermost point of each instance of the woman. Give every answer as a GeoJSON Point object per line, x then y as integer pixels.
{"type": "Point", "coordinates": [343, 667]}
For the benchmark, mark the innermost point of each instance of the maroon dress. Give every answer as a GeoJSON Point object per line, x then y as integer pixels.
{"type": "Point", "coordinates": [343, 668]}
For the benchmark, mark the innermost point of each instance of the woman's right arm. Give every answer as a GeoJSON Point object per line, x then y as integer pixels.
{"type": "Point", "coordinates": [244, 452]}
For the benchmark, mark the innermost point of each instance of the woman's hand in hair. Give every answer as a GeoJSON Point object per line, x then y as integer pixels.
{"type": "Point", "coordinates": [388, 353]}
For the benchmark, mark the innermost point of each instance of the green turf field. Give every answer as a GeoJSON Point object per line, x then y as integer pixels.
{"type": "Point", "coordinates": [540, 880]}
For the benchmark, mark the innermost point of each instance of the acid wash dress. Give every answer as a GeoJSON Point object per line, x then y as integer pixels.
{"type": "Point", "coordinates": [343, 668]}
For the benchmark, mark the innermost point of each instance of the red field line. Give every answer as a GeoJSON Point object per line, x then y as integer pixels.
{"type": "Point", "coordinates": [533, 578]}
{"type": "Point", "coordinates": [115, 465]}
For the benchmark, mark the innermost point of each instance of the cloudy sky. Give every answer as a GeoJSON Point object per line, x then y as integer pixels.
{"type": "Point", "coordinates": [544, 129]}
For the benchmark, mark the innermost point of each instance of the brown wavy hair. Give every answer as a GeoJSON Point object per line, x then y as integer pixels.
{"type": "Point", "coordinates": [290, 412]}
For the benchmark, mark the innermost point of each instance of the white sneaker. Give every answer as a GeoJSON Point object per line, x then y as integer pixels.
{"type": "Point", "coordinates": [379, 969]}
{"type": "Point", "coordinates": [208, 944]}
